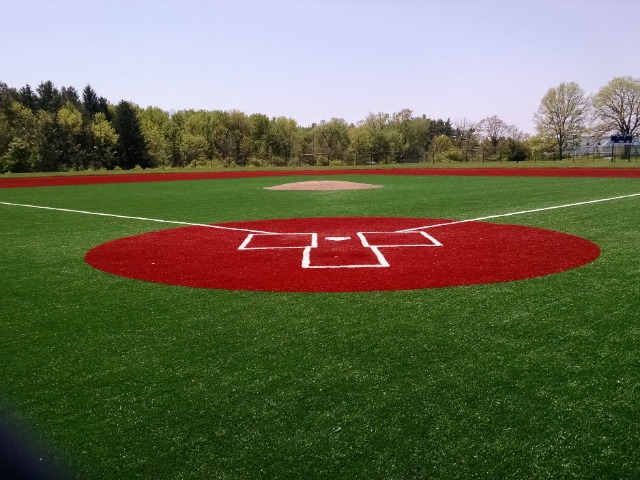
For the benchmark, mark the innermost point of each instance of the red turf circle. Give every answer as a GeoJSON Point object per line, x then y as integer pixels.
{"type": "Point", "coordinates": [342, 254]}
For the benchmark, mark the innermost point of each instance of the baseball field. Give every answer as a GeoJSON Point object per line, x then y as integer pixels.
{"type": "Point", "coordinates": [452, 325]}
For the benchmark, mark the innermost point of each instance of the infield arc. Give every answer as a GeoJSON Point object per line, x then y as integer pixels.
{"type": "Point", "coordinates": [342, 254]}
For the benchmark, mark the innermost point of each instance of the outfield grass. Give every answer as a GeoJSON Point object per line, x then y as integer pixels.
{"type": "Point", "coordinates": [128, 379]}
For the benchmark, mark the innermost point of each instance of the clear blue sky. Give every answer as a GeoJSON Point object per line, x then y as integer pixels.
{"type": "Point", "coordinates": [313, 60]}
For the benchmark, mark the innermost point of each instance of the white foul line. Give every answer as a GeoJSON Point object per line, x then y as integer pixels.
{"type": "Point", "coordinates": [99, 214]}
{"type": "Point", "coordinates": [522, 212]}
{"type": "Point", "coordinates": [454, 222]}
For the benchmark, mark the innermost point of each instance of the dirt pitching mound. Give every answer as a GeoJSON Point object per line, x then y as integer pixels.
{"type": "Point", "coordinates": [323, 185]}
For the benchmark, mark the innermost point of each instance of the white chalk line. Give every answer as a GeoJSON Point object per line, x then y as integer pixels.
{"type": "Point", "coordinates": [454, 222]}
{"type": "Point", "coordinates": [522, 212]}
{"type": "Point", "coordinates": [127, 217]}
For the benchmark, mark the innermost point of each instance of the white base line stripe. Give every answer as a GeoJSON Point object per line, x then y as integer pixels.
{"type": "Point", "coordinates": [455, 222]}
{"type": "Point", "coordinates": [535, 210]}
{"type": "Point", "coordinates": [111, 215]}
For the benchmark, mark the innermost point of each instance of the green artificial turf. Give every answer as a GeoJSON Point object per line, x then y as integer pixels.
{"type": "Point", "coordinates": [128, 379]}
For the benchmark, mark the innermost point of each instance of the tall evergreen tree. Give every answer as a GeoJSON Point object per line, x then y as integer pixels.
{"type": "Point", "coordinates": [131, 143]}
{"type": "Point", "coordinates": [69, 94]}
{"type": "Point", "coordinates": [28, 98]}
{"type": "Point", "coordinates": [49, 97]}
{"type": "Point", "coordinates": [90, 101]}
{"type": "Point", "coordinates": [103, 107]}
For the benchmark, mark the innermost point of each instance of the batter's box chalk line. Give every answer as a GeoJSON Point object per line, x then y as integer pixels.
{"type": "Point", "coordinates": [312, 243]}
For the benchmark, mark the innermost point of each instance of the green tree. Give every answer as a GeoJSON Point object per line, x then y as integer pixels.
{"type": "Point", "coordinates": [210, 125]}
{"type": "Point", "coordinates": [173, 135]}
{"type": "Point", "coordinates": [105, 107]}
{"type": "Point", "coordinates": [441, 127]}
{"type": "Point", "coordinates": [193, 148]}
{"type": "Point", "coordinates": [5, 133]}
{"type": "Point", "coordinates": [617, 106]}
{"type": "Point", "coordinates": [90, 103]}
{"type": "Point", "coordinates": [465, 137]}
{"type": "Point", "coordinates": [360, 145]}
{"type": "Point", "coordinates": [258, 132]}
{"type": "Point", "coordinates": [282, 139]}
{"type": "Point", "coordinates": [69, 94]}
{"type": "Point", "coordinates": [402, 122]}
{"type": "Point", "coordinates": [8, 95]}
{"type": "Point", "coordinates": [417, 133]}
{"type": "Point", "coordinates": [375, 126]}
{"type": "Point", "coordinates": [422, 130]}
{"type": "Point", "coordinates": [562, 115]}
{"type": "Point", "coordinates": [28, 98]}
{"type": "Point", "coordinates": [156, 126]}
{"type": "Point", "coordinates": [104, 141]}
{"type": "Point", "coordinates": [21, 152]}
{"type": "Point", "coordinates": [238, 129]}
{"type": "Point", "coordinates": [396, 145]}
{"type": "Point", "coordinates": [216, 130]}
{"type": "Point", "coordinates": [494, 129]}
{"type": "Point", "coordinates": [71, 136]}
{"type": "Point", "coordinates": [49, 98]}
{"type": "Point", "coordinates": [332, 137]}
{"type": "Point", "coordinates": [18, 158]}
{"type": "Point", "coordinates": [540, 147]}
{"type": "Point", "coordinates": [513, 150]}
{"type": "Point", "coordinates": [131, 143]}
{"type": "Point", "coordinates": [444, 149]}
{"type": "Point", "coordinates": [49, 141]}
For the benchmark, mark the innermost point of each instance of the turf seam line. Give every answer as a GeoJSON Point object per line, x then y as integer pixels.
{"type": "Point", "coordinates": [522, 212]}
{"type": "Point", "coordinates": [100, 214]}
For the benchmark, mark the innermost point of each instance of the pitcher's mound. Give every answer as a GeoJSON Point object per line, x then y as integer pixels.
{"type": "Point", "coordinates": [324, 185]}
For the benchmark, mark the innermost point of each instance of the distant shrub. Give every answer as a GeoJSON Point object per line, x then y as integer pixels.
{"type": "Point", "coordinates": [451, 155]}
{"type": "Point", "coordinates": [5, 165]}
{"type": "Point", "coordinates": [278, 162]}
{"type": "Point", "coordinates": [256, 162]}
{"type": "Point", "coordinates": [336, 163]}
{"type": "Point", "coordinates": [230, 163]}
{"type": "Point", "coordinates": [200, 162]}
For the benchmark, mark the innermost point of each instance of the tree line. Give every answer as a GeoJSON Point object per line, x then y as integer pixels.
{"type": "Point", "coordinates": [51, 129]}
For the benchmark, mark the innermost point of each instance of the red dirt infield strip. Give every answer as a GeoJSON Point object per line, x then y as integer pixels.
{"type": "Point", "coordinates": [341, 254]}
{"type": "Point", "coordinates": [53, 181]}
